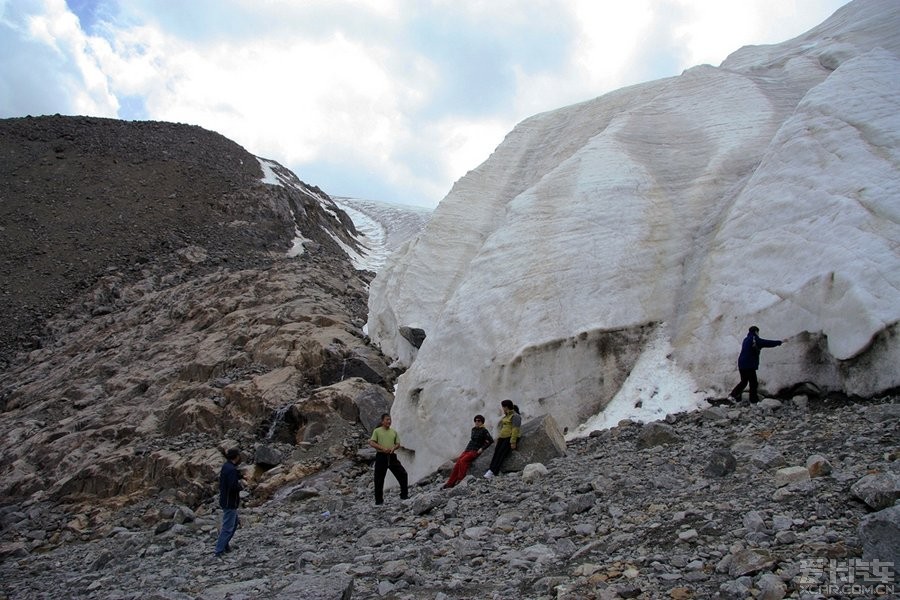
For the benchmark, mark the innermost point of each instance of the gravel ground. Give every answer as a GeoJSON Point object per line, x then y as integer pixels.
{"type": "Point", "coordinates": [622, 515]}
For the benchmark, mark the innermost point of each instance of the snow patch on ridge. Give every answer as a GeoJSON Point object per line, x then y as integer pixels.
{"type": "Point", "coordinates": [358, 260]}
{"type": "Point", "coordinates": [269, 175]}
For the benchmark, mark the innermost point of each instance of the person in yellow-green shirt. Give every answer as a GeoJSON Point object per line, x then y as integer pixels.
{"type": "Point", "coordinates": [386, 441]}
{"type": "Point", "coordinates": [507, 438]}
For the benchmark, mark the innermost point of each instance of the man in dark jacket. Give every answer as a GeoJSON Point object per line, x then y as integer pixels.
{"type": "Point", "coordinates": [748, 363]}
{"type": "Point", "coordinates": [229, 499]}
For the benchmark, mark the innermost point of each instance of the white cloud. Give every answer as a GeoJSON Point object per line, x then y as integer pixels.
{"type": "Point", "coordinates": [59, 30]}
{"type": "Point", "coordinates": [608, 36]}
{"type": "Point", "coordinates": [135, 59]}
{"type": "Point", "coordinates": [711, 29]}
{"type": "Point", "coordinates": [613, 40]}
{"type": "Point", "coordinates": [294, 100]}
{"type": "Point", "coordinates": [362, 85]}
{"type": "Point", "coordinates": [468, 143]}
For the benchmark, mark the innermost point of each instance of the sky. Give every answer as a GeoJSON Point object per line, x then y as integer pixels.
{"type": "Point", "coordinates": [390, 100]}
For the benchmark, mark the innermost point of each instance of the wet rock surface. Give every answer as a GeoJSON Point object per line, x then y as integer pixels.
{"type": "Point", "coordinates": [611, 519]}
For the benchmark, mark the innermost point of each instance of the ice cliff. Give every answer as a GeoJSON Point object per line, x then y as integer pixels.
{"type": "Point", "coordinates": [662, 220]}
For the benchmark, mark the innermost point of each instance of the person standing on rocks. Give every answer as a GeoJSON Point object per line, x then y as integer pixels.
{"type": "Point", "coordinates": [507, 438]}
{"type": "Point", "coordinates": [748, 363]}
{"type": "Point", "coordinates": [480, 441]}
{"type": "Point", "coordinates": [386, 441]}
{"type": "Point", "coordinates": [229, 499]}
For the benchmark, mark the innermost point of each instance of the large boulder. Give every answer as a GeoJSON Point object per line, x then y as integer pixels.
{"type": "Point", "coordinates": [878, 490]}
{"type": "Point", "coordinates": [342, 404]}
{"type": "Point", "coordinates": [267, 457]}
{"type": "Point", "coordinates": [657, 434]}
{"type": "Point", "coordinates": [413, 335]}
{"type": "Point", "coordinates": [369, 364]}
{"type": "Point", "coordinates": [540, 442]}
{"type": "Point", "coordinates": [317, 587]}
{"type": "Point", "coordinates": [879, 534]}
{"type": "Point", "coordinates": [372, 401]}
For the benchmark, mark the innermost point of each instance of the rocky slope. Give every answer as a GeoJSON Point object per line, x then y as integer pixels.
{"type": "Point", "coordinates": [158, 319]}
{"type": "Point", "coordinates": [730, 502]}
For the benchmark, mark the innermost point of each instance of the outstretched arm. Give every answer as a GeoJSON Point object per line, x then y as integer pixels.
{"type": "Point", "coordinates": [768, 343]}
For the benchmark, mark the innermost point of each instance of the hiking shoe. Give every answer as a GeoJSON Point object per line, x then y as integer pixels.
{"type": "Point", "coordinates": [488, 474]}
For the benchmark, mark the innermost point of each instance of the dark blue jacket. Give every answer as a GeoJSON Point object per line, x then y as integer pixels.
{"type": "Point", "coordinates": [749, 358]}
{"type": "Point", "coordinates": [229, 486]}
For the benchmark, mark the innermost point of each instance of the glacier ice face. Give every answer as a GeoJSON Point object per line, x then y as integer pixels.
{"type": "Point", "coordinates": [764, 191]}
{"type": "Point", "coordinates": [810, 246]}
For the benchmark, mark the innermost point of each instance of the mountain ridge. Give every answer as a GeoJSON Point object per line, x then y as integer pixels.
{"type": "Point", "coordinates": [81, 195]}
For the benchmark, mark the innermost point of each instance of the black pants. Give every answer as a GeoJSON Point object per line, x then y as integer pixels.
{"type": "Point", "coordinates": [383, 462]}
{"type": "Point", "coordinates": [747, 376]}
{"type": "Point", "coordinates": [501, 451]}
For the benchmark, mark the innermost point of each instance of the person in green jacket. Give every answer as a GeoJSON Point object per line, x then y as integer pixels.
{"type": "Point", "coordinates": [386, 441]}
{"type": "Point", "coordinates": [508, 437]}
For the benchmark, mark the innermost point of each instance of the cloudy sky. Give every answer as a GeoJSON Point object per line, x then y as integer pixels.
{"type": "Point", "coordinates": [389, 100]}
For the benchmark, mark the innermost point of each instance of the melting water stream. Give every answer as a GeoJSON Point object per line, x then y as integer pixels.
{"type": "Point", "coordinates": [277, 418]}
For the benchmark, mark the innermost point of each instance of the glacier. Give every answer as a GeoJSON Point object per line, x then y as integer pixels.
{"type": "Point", "coordinates": [608, 257]}
{"type": "Point", "coordinates": [382, 227]}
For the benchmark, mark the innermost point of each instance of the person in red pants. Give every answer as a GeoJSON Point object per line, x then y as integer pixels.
{"type": "Point", "coordinates": [480, 441]}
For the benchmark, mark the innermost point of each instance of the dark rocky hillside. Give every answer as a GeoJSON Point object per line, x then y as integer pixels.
{"type": "Point", "coordinates": [81, 197]}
